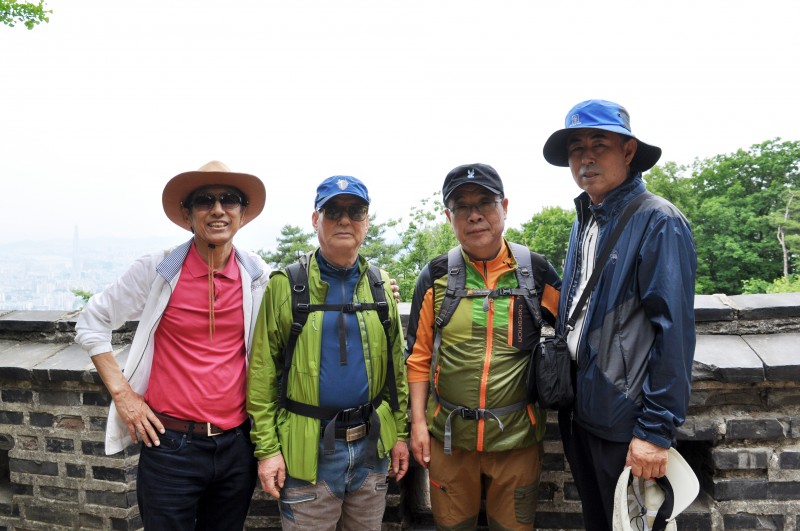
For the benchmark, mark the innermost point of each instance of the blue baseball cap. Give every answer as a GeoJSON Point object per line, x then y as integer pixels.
{"type": "Point", "coordinates": [338, 185]}
{"type": "Point", "coordinates": [598, 114]}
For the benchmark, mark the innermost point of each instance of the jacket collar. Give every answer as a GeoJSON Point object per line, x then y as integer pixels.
{"type": "Point", "coordinates": [614, 202]}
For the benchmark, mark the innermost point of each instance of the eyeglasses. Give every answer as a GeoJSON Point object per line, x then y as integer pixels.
{"type": "Point", "coordinates": [484, 208]}
{"type": "Point", "coordinates": [354, 212]}
{"type": "Point", "coordinates": [207, 201]}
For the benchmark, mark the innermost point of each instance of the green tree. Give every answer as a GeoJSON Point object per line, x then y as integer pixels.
{"type": "Point", "coordinates": [547, 233]}
{"type": "Point", "coordinates": [426, 235]}
{"type": "Point", "coordinates": [733, 202]}
{"type": "Point", "coordinates": [788, 231]}
{"type": "Point", "coordinates": [736, 197]}
{"type": "Point", "coordinates": [292, 243]}
{"type": "Point", "coordinates": [83, 294]}
{"type": "Point", "coordinates": [12, 12]}
{"type": "Point", "coordinates": [375, 247]}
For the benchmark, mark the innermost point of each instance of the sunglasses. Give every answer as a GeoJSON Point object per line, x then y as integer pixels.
{"type": "Point", "coordinates": [206, 201]}
{"type": "Point", "coordinates": [354, 212]}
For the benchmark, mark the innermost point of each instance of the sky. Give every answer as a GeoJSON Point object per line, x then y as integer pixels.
{"type": "Point", "coordinates": [109, 100]}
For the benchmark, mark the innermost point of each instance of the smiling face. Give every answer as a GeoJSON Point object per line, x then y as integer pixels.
{"type": "Point", "coordinates": [599, 160]}
{"type": "Point", "coordinates": [218, 224]}
{"type": "Point", "coordinates": [478, 218]}
{"type": "Point", "coordinates": [340, 239]}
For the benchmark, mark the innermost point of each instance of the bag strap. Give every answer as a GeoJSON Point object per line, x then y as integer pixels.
{"type": "Point", "coordinates": [602, 258]}
{"type": "Point", "coordinates": [525, 280]}
{"type": "Point", "coordinates": [297, 272]}
{"type": "Point", "coordinates": [382, 307]}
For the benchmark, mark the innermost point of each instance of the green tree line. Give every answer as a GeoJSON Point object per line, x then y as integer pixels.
{"type": "Point", "coordinates": [744, 209]}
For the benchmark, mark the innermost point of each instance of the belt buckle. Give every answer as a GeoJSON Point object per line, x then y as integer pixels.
{"type": "Point", "coordinates": [356, 433]}
{"type": "Point", "coordinates": [209, 432]}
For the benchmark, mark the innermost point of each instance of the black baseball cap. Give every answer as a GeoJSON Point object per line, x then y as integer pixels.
{"type": "Point", "coordinates": [480, 174]}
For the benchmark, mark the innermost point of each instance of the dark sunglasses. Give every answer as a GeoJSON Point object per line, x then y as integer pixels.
{"type": "Point", "coordinates": [206, 201]}
{"type": "Point", "coordinates": [354, 212]}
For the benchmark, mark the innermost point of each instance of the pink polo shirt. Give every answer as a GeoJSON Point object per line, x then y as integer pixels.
{"type": "Point", "coordinates": [194, 378]}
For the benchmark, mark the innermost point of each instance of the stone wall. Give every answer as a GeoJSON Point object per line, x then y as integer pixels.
{"type": "Point", "coordinates": [742, 436]}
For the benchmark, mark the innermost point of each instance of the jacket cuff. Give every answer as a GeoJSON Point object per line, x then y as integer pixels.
{"type": "Point", "coordinates": [650, 437]}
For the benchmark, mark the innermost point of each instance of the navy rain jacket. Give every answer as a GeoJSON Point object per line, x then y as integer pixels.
{"type": "Point", "coordinates": [635, 354]}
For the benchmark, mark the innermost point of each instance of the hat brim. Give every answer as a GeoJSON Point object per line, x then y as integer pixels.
{"type": "Point", "coordinates": [555, 149]}
{"type": "Point", "coordinates": [682, 479]}
{"type": "Point", "coordinates": [685, 486]}
{"type": "Point", "coordinates": [179, 187]}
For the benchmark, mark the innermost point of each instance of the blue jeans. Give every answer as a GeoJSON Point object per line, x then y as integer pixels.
{"type": "Point", "coordinates": [197, 482]}
{"type": "Point", "coordinates": [350, 492]}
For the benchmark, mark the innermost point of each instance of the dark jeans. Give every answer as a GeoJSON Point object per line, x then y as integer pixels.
{"type": "Point", "coordinates": [197, 482]}
{"type": "Point", "coordinates": [596, 465]}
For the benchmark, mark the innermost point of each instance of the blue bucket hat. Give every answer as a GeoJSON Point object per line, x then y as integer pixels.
{"type": "Point", "coordinates": [338, 185]}
{"type": "Point", "coordinates": [599, 114]}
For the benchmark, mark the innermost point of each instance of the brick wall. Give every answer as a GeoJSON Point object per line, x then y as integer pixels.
{"type": "Point", "coordinates": [742, 436]}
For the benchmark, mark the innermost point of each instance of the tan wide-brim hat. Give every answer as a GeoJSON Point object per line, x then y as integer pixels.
{"type": "Point", "coordinates": [214, 173]}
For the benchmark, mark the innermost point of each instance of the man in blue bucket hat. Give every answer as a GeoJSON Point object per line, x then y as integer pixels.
{"type": "Point", "coordinates": [632, 344]}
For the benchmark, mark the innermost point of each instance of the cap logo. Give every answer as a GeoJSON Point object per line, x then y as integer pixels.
{"type": "Point", "coordinates": [575, 120]}
{"type": "Point", "coordinates": [342, 184]}
{"type": "Point", "coordinates": [471, 174]}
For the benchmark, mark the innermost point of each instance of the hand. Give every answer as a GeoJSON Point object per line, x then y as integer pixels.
{"type": "Point", "coordinates": [395, 289]}
{"type": "Point", "coordinates": [421, 443]}
{"type": "Point", "coordinates": [272, 474]}
{"type": "Point", "coordinates": [142, 423]}
{"type": "Point", "coordinates": [646, 459]}
{"type": "Point", "coordinates": [399, 455]}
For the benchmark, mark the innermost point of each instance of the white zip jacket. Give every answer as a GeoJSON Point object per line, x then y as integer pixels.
{"type": "Point", "coordinates": [142, 294]}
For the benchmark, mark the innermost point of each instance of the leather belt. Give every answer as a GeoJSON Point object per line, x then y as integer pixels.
{"type": "Point", "coordinates": [189, 426]}
{"type": "Point", "coordinates": [353, 433]}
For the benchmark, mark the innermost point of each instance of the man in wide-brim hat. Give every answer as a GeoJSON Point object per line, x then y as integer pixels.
{"type": "Point", "coordinates": [632, 343]}
{"type": "Point", "coordinates": [182, 393]}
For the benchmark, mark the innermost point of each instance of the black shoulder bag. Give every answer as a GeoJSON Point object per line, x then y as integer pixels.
{"type": "Point", "coordinates": [549, 377]}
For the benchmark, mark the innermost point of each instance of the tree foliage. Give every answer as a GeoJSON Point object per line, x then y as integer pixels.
{"type": "Point", "coordinates": [546, 233]}
{"type": "Point", "coordinates": [426, 235]}
{"type": "Point", "coordinates": [735, 203]}
{"type": "Point", "coordinates": [292, 243]}
{"type": "Point", "coordinates": [376, 249]}
{"type": "Point", "coordinates": [13, 12]}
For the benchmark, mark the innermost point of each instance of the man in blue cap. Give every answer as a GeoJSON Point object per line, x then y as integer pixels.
{"type": "Point", "coordinates": [326, 384]}
{"type": "Point", "coordinates": [633, 342]}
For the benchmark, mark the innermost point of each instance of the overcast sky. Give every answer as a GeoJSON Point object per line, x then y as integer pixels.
{"type": "Point", "coordinates": [104, 104]}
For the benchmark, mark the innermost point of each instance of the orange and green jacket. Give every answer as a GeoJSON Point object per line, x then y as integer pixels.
{"type": "Point", "coordinates": [483, 357]}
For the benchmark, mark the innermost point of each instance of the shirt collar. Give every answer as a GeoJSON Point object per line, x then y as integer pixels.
{"type": "Point", "coordinates": [198, 268]}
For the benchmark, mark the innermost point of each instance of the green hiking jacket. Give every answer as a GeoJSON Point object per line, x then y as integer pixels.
{"type": "Point", "coordinates": [277, 430]}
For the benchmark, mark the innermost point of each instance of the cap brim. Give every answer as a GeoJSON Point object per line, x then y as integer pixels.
{"type": "Point", "coordinates": [459, 185]}
{"type": "Point", "coordinates": [180, 186]}
{"type": "Point", "coordinates": [327, 198]}
{"type": "Point", "coordinates": [555, 149]}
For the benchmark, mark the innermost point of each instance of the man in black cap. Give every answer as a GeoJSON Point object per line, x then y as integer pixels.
{"type": "Point", "coordinates": [633, 342]}
{"type": "Point", "coordinates": [469, 337]}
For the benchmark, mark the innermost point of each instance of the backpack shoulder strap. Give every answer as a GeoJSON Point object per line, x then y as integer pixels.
{"type": "Point", "coordinates": [456, 280]}
{"type": "Point", "coordinates": [297, 272]}
{"type": "Point", "coordinates": [382, 308]}
{"type": "Point", "coordinates": [526, 280]}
